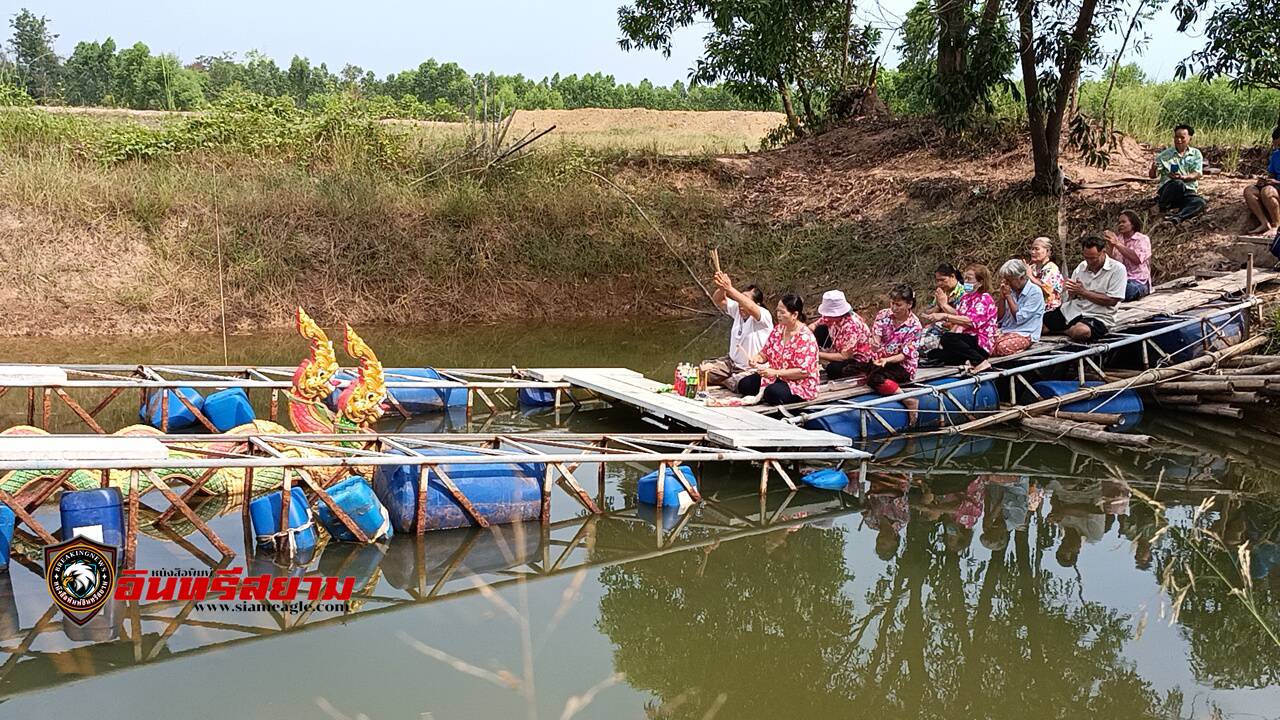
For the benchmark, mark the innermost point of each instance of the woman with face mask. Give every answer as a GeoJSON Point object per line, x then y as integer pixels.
{"type": "Point", "coordinates": [973, 318]}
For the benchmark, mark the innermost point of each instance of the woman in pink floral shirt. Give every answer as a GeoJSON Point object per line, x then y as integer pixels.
{"type": "Point", "coordinates": [1044, 272]}
{"type": "Point", "coordinates": [975, 316]}
{"type": "Point", "coordinates": [844, 340]}
{"type": "Point", "coordinates": [790, 355]}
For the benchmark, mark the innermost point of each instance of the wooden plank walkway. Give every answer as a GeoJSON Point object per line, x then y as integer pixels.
{"type": "Point", "coordinates": [736, 427]}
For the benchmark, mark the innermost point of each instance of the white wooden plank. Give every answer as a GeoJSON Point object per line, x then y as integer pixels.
{"type": "Point", "coordinates": [53, 447]}
{"type": "Point", "coordinates": [27, 375]}
{"type": "Point", "coordinates": [557, 374]}
{"type": "Point", "coordinates": [765, 438]}
{"type": "Point", "coordinates": [730, 426]}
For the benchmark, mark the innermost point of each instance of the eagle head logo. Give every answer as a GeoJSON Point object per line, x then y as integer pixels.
{"type": "Point", "coordinates": [79, 579]}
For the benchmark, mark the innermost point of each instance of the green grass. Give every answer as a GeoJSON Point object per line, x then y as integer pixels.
{"type": "Point", "coordinates": [1221, 116]}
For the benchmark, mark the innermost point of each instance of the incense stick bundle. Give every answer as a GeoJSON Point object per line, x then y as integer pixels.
{"type": "Point", "coordinates": [715, 259]}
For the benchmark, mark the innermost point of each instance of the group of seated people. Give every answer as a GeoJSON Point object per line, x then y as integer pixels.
{"type": "Point", "coordinates": [780, 358]}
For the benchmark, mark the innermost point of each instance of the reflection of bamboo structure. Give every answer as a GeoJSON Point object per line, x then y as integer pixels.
{"type": "Point", "coordinates": [471, 562]}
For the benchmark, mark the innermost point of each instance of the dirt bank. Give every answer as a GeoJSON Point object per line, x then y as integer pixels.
{"type": "Point", "coordinates": [135, 247]}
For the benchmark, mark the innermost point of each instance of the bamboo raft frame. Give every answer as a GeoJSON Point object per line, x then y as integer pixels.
{"type": "Point", "coordinates": [489, 385]}
{"type": "Point", "coordinates": [667, 451]}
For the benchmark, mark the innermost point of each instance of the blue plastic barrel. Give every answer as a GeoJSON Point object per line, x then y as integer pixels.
{"type": "Point", "coordinates": [228, 408]}
{"type": "Point", "coordinates": [6, 534]}
{"type": "Point", "coordinates": [265, 514]}
{"type": "Point", "coordinates": [101, 628]}
{"type": "Point", "coordinates": [1126, 403]}
{"type": "Point", "coordinates": [935, 448]}
{"type": "Point", "coordinates": [179, 416]}
{"type": "Point", "coordinates": [356, 498]}
{"type": "Point", "coordinates": [849, 422]}
{"type": "Point", "coordinates": [502, 492]}
{"type": "Point", "coordinates": [415, 401]}
{"type": "Point", "coordinates": [10, 623]}
{"type": "Point", "coordinates": [673, 493]}
{"type": "Point", "coordinates": [96, 514]}
{"type": "Point", "coordinates": [1217, 332]}
{"type": "Point", "coordinates": [826, 479]}
{"type": "Point", "coordinates": [937, 410]}
{"type": "Point", "coordinates": [536, 397]}
{"type": "Point", "coordinates": [668, 515]}
{"type": "Point", "coordinates": [885, 448]}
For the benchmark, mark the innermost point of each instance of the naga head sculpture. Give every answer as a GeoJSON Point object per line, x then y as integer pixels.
{"type": "Point", "coordinates": [361, 402]}
{"type": "Point", "coordinates": [311, 380]}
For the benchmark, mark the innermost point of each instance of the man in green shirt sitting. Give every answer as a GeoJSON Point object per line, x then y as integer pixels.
{"type": "Point", "coordinates": [1179, 169]}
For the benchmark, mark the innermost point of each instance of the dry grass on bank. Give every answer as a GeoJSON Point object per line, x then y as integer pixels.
{"type": "Point", "coordinates": [660, 132]}
{"type": "Point", "coordinates": [333, 216]}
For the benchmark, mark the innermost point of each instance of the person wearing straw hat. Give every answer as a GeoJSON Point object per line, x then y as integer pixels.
{"type": "Point", "coordinates": [844, 340]}
{"type": "Point", "coordinates": [751, 327]}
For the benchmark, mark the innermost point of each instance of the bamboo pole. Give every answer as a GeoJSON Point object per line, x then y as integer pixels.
{"type": "Point", "coordinates": [1095, 418]}
{"type": "Point", "coordinates": [1155, 375]}
{"type": "Point", "coordinates": [1084, 431]}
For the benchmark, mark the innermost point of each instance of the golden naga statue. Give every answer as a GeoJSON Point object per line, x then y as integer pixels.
{"type": "Point", "coordinates": [359, 405]}
{"type": "Point", "coordinates": [311, 381]}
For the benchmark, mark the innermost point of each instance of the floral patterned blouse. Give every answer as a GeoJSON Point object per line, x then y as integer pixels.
{"type": "Point", "coordinates": [850, 335]}
{"type": "Point", "coordinates": [800, 352]}
{"type": "Point", "coordinates": [1048, 274]}
{"type": "Point", "coordinates": [895, 338]}
{"type": "Point", "coordinates": [981, 309]}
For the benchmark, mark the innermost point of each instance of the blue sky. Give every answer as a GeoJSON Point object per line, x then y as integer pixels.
{"type": "Point", "coordinates": [533, 37]}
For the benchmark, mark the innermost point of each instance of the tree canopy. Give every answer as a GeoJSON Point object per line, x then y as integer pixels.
{"type": "Point", "coordinates": [809, 50]}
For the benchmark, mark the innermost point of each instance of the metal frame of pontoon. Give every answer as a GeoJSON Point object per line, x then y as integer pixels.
{"type": "Point", "coordinates": [564, 547]}
{"type": "Point", "coordinates": [1083, 357]}
{"type": "Point", "coordinates": [428, 451]}
{"type": "Point", "coordinates": [487, 384]}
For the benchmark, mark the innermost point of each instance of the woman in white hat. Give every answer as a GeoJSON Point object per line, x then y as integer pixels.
{"type": "Point", "coordinates": [844, 340]}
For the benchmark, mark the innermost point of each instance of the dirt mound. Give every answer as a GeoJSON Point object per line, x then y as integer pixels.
{"type": "Point", "coordinates": [865, 171]}
{"type": "Point", "coordinates": [880, 171]}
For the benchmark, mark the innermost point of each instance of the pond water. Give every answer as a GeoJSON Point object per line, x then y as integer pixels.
{"type": "Point", "coordinates": [1000, 576]}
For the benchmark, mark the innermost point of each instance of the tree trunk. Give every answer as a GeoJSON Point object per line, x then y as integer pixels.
{"type": "Point", "coordinates": [952, 41]}
{"type": "Point", "coordinates": [1068, 77]}
{"type": "Point", "coordinates": [806, 102]}
{"type": "Point", "coordinates": [848, 31]}
{"type": "Point", "coordinates": [793, 121]}
{"type": "Point", "coordinates": [1048, 178]}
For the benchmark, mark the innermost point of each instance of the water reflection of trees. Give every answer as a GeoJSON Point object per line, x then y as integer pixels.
{"type": "Point", "coordinates": [769, 623]}
{"type": "Point", "coordinates": [1228, 648]}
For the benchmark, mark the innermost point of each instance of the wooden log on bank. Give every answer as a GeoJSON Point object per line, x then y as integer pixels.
{"type": "Point", "coordinates": [1203, 385]}
{"type": "Point", "coordinates": [1084, 431]}
{"type": "Point", "coordinates": [1213, 409]}
{"type": "Point", "coordinates": [1088, 417]}
{"type": "Point", "coordinates": [1146, 377]}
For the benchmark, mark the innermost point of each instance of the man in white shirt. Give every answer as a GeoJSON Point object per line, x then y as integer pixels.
{"type": "Point", "coordinates": [1091, 296]}
{"type": "Point", "coordinates": [751, 327]}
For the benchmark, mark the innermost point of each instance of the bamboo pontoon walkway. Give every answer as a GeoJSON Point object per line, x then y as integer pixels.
{"type": "Point", "coordinates": [560, 455]}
